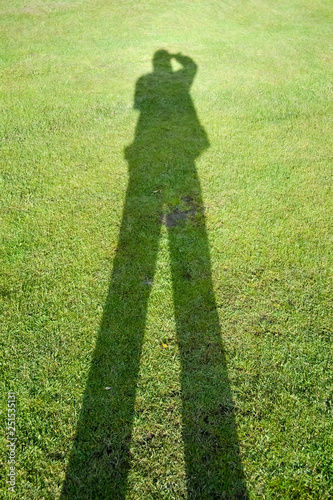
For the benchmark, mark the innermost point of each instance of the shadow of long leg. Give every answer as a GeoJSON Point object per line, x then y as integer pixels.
{"type": "Point", "coordinates": [213, 465]}
{"type": "Point", "coordinates": [100, 456]}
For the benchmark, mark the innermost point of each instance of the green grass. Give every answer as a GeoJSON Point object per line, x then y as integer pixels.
{"type": "Point", "coordinates": [263, 94]}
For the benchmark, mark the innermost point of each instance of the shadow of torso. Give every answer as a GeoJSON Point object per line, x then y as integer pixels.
{"type": "Point", "coordinates": [168, 135]}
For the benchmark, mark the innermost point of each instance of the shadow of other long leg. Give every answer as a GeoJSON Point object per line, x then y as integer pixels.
{"type": "Point", "coordinates": [213, 465]}
{"type": "Point", "coordinates": [100, 457]}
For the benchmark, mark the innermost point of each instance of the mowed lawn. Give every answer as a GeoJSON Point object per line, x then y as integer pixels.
{"type": "Point", "coordinates": [263, 95]}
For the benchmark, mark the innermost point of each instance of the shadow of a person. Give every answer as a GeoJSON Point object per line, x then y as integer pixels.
{"type": "Point", "coordinates": [162, 180]}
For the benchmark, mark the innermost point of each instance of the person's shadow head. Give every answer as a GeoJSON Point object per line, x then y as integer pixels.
{"type": "Point", "coordinates": [162, 61]}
